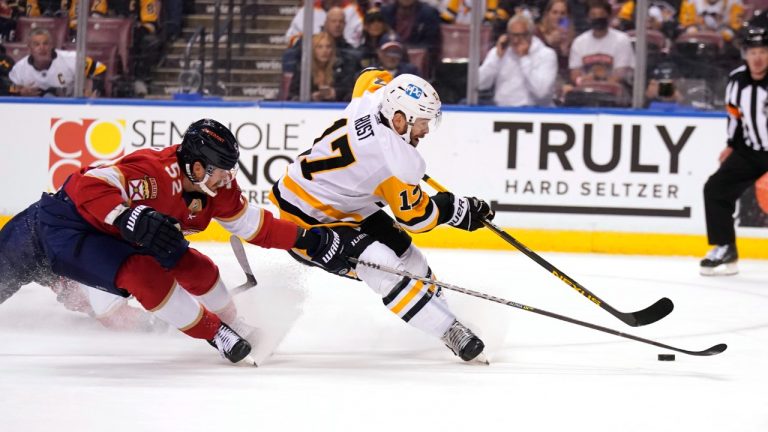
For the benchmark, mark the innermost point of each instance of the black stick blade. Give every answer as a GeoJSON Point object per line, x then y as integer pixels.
{"type": "Point", "coordinates": [651, 314]}
{"type": "Point", "coordinates": [717, 349]}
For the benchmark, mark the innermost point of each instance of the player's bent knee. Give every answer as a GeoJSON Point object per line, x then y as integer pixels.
{"type": "Point", "coordinates": [196, 272]}
{"type": "Point", "coordinates": [379, 281]}
{"type": "Point", "coordinates": [142, 276]}
{"type": "Point", "coordinates": [412, 261]}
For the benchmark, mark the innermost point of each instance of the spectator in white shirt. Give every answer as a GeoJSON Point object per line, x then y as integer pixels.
{"type": "Point", "coordinates": [51, 72]}
{"type": "Point", "coordinates": [602, 53]}
{"type": "Point", "coordinates": [521, 67]}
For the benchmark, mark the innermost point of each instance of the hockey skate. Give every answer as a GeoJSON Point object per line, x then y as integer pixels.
{"type": "Point", "coordinates": [720, 261]}
{"type": "Point", "coordinates": [231, 346]}
{"type": "Point", "coordinates": [242, 328]}
{"type": "Point", "coordinates": [464, 343]}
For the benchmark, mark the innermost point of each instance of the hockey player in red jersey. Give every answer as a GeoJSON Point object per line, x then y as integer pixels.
{"type": "Point", "coordinates": [120, 228]}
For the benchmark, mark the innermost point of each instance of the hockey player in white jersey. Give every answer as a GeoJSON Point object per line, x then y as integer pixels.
{"type": "Point", "coordinates": [368, 159]}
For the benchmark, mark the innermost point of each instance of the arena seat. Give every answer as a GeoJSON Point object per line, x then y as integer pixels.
{"type": "Point", "coordinates": [455, 43]}
{"type": "Point", "coordinates": [56, 26]}
{"type": "Point", "coordinates": [16, 50]}
{"type": "Point", "coordinates": [655, 39]}
{"type": "Point", "coordinates": [602, 86]}
{"type": "Point", "coordinates": [702, 37]}
{"type": "Point", "coordinates": [755, 5]}
{"type": "Point", "coordinates": [418, 57]}
{"type": "Point", "coordinates": [116, 31]}
{"type": "Point", "coordinates": [106, 54]}
{"type": "Point", "coordinates": [595, 94]}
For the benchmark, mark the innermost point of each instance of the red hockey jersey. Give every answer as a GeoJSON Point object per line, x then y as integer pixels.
{"type": "Point", "coordinates": [154, 178]}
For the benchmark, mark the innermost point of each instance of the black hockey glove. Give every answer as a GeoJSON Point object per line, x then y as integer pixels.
{"type": "Point", "coordinates": [158, 233]}
{"type": "Point", "coordinates": [331, 248]}
{"type": "Point", "coordinates": [468, 212]}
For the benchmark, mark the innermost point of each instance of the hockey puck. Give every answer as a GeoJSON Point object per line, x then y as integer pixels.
{"type": "Point", "coordinates": [666, 357]}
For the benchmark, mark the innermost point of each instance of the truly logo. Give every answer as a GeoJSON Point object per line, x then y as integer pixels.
{"type": "Point", "coordinates": [78, 143]}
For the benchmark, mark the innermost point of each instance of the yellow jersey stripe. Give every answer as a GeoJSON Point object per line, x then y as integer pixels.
{"type": "Point", "coordinates": [412, 208]}
{"type": "Point", "coordinates": [408, 297]}
{"type": "Point", "coordinates": [327, 209]}
{"type": "Point", "coordinates": [284, 215]}
{"type": "Point", "coordinates": [370, 81]}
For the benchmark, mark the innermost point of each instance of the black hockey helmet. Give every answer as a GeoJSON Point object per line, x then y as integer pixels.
{"type": "Point", "coordinates": [755, 36]}
{"type": "Point", "coordinates": [755, 31]}
{"type": "Point", "coordinates": [210, 143]}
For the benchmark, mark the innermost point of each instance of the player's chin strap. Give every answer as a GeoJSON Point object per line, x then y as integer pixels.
{"type": "Point", "coordinates": [649, 315]}
{"type": "Point", "coordinates": [200, 183]}
{"type": "Point", "coordinates": [407, 135]}
{"type": "Point", "coordinates": [390, 122]}
{"type": "Point", "coordinates": [208, 172]}
{"type": "Point", "coordinates": [204, 187]}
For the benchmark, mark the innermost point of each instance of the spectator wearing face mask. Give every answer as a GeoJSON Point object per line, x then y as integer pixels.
{"type": "Point", "coordinates": [391, 57]}
{"type": "Point", "coordinates": [602, 53]}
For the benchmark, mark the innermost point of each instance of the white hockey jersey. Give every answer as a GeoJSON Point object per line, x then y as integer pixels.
{"type": "Point", "coordinates": [356, 166]}
{"type": "Point", "coordinates": [60, 75]}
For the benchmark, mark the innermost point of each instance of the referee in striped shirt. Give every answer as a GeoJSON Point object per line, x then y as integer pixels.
{"type": "Point", "coordinates": [745, 159]}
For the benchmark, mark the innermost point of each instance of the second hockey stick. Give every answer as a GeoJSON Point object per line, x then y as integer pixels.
{"type": "Point", "coordinates": [649, 315]}
{"type": "Point", "coordinates": [242, 259]}
{"type": "Point", "coordinates": [717, 349]}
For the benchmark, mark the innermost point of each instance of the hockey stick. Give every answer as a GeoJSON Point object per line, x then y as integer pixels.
{"type": "Point", "coordinates": [649, 315]}
{"type": "Point", "coordinates": [242, 259]}
{"type": "Point", "coordinates": [717, 349]}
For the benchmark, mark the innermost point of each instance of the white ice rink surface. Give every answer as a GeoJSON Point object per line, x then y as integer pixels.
{"type": "Point", "coordinates": [349, 365]}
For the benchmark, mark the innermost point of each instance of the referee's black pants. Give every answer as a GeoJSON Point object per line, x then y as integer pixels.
{"type": "Point", "coordinates": [740, 170]}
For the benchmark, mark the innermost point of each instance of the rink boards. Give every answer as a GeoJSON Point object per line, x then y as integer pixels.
{"type": "Point", "coordinates": [614, 181]}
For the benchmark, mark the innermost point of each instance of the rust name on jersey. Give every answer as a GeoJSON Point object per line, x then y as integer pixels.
{"type": "Point", "coordinates": [363, 127]}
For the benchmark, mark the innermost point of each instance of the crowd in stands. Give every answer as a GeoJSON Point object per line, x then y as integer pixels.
{"type": "Point", "coordinates": [534, 52]}
{"type": "Point", "coordinates": [125, 39]}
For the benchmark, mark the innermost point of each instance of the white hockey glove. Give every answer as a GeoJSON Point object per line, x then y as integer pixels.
{"type": "Point", "coordinates": [468, 212]}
